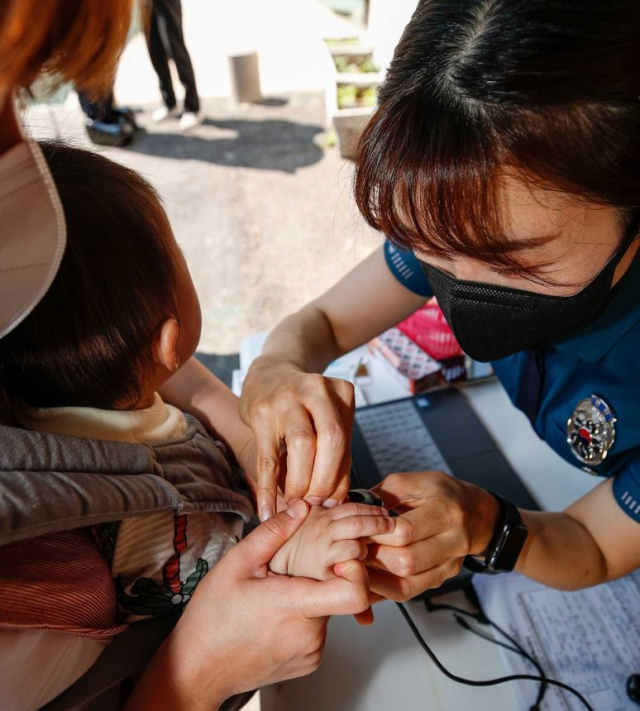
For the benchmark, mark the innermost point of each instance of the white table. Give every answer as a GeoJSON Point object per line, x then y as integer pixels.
{"type": "Point", "coordinates": [382, 667]}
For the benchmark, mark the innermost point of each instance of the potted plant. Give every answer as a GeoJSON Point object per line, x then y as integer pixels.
{"type": "Point", "coordinates": [351, 97]}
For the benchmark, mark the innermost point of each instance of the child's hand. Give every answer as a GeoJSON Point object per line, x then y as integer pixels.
{"type": "Point", "coordinates": [328, 537]}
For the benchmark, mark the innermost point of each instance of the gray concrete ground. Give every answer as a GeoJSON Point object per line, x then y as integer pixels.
{"type": "Point", "coordinates": [263, 213]}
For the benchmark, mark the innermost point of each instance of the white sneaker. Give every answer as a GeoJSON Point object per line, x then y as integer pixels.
{"type": "Point", "coordinates": [162, 113]}
{"type": "Point", "coordinates": [189, 119]}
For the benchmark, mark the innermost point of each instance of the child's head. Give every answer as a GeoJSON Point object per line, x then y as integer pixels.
{"type": "Point", "coordinates": [122, 313]}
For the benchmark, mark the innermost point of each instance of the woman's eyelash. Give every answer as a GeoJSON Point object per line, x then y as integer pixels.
{"type": "Point", "coordinates": [507, 271]}
{"type": "Point", "coordinates": [524, 274]}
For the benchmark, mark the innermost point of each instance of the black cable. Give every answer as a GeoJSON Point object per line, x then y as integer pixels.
{"type": "Point", "coordinates": [485, 682]}
{"type": "Point", "coordinates": [516, 649]}
{"type": "Point", "coordinates": [465, 625]}
{"type": "Point", "coordinates": [482, 618]}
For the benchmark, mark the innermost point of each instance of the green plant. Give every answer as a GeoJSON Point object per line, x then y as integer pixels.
{"type": "Point", "coordinates": [341, 63]}
{"type": "Point", "coordinates": [347, 96]}
{"type": "Point", "coordinates": [368, 66]}
{"type": "Point", "coordinates": [361, 64]}
{"type": "Point", "coordinates": [367, 96]}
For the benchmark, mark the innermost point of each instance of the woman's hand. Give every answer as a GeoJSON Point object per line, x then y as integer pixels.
{"type": "Point", "coordinates": [287, 404]}
{"type": "Point", "coordinates": [246, 627]}
{"type": "Point", "coordinates": [441, 520]}
{"type": "Point", "coordinates": [310, 415]}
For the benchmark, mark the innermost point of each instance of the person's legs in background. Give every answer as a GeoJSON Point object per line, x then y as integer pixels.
{"type": "Point", "coordinates": [167, 16]}
{"type": "Point", "coordinates": [157, 44]}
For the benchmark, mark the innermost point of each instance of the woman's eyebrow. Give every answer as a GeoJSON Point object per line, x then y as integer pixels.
{"type": "Point", "coordinates": [531, 242]}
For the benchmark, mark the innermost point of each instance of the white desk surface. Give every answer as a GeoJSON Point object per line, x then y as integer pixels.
{"type": "Point", "coordinates": [382, 667]}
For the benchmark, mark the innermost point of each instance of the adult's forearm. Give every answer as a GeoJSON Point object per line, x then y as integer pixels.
{"type": "Point", "coordinates": [304, 340]}
{"type": "Point", "coordinates": [196, 390]}
{"type": "Point", "coordinates": [560, 552]}
{"type": "Point", "coordinates": [165, 686]}
{"type": "Point", "coordinates": [592, 542]}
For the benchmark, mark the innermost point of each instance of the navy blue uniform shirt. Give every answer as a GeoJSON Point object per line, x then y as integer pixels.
{"type": "Point", "coordinates": [602, 359]}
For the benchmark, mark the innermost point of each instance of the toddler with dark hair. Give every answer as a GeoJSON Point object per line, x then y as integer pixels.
{"type": "Point", "coordinates": [119, 320]}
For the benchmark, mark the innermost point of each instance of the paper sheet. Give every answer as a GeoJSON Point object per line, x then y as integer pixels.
{"type": "Point", "coordinates": [345, 367]}
{"type": "Point", "coordinates": [589, 639]}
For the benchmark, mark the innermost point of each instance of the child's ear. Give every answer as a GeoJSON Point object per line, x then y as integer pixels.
{"type": "Point", "coordinates": [167, 345]}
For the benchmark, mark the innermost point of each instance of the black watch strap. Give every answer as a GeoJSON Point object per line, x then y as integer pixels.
{"type": "Point", "coordinates": [507, 541]}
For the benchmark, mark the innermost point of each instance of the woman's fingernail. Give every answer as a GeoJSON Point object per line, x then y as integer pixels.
{"type": "Point", "coordinates": [330, 503]}
{"type": "Point", "coordinates": [266, 512]}
{"type": "Point", "coordinates": [315, 500]}
{"type": "Point", "coordinates": [297, 510]}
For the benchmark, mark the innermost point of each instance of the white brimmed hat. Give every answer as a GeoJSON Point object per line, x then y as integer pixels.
{"type": "Point", "coordinates": [32, 232]}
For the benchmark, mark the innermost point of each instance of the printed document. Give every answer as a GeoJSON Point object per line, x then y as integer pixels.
{"type": "Point", "coordinates": [589, 639]}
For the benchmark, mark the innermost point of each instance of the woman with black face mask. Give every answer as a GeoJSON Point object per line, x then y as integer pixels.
{"type": "Point", "coordinates": [503, 166]}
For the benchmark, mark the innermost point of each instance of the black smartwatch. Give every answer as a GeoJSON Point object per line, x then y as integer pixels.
{"type": "Point", "coordinates": [506, 543]}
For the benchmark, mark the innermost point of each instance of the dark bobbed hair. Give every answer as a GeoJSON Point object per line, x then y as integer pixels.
{"type": "Point", "coordinates": [478, 88]}
{"type": "Point", "coordinates": [89, 342]}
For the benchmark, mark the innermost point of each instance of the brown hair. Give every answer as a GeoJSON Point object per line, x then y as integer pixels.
{"type": "Point", "coordinates": [545, 90]}
{"type": "Point", "coordinates": [89, 342]}
{"type": "Point", "coordinates": [79, 40]}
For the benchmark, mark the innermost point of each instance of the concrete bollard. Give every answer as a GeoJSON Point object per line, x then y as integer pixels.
{"type": "Point", "coordinates": [245, 77]}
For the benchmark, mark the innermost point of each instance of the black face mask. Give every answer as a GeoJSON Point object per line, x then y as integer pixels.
{"type": "Point", "coordinates": [491, 322]}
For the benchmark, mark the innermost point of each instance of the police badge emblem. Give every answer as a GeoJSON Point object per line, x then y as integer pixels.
{"type": "Point", "coordinates": [591, 431]}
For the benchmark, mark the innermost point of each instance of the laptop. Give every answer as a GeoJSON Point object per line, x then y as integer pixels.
{"type": "Point", "coordinates": [434, 431]}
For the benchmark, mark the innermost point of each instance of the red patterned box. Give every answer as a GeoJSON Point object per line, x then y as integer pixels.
{"type": "Point", "coordinates": [411, 365]}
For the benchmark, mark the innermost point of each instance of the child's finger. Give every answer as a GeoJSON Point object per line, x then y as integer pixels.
{"type": "Point", "coordinates": [364, 618]}
{"type": "Point", "coordinates": [341, 551]}
{"type": "Point", "coordinates": [361, 526]}
{"type": "Point", "coordinates": [353, 509]}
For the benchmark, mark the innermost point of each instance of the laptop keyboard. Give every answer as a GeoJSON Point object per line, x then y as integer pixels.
{"type": "Point", "coordinates": [398, 440]}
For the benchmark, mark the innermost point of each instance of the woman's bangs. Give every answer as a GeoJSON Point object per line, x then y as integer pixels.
{"type": "Point", "coordinates": [428, 179]}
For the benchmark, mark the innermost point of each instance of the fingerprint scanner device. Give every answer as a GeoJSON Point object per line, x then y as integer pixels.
{"type": "Point", "coordinates": [435, 431]}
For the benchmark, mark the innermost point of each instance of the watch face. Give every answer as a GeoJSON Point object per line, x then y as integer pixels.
{"type": "Point", "coordinates": [507, 549]}
{"type": "Point", "coordinates": [507, 557]}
